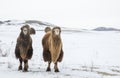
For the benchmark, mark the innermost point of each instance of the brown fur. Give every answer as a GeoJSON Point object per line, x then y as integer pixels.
{"type": "Point", "coordinates": [52, 47]}
{"type": "Point", "coordinates": [24, 50]}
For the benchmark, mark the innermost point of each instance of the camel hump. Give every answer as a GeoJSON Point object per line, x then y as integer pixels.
{"type": "Point", "coordinates": [32, 31]}
{"type": "Point", "coordinates": [47, 29]}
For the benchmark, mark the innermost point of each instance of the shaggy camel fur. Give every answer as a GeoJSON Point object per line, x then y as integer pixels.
{"type": "Point", "coordinates": [52, 48]}
{"type": "Point", "coordinates": [24, 50]}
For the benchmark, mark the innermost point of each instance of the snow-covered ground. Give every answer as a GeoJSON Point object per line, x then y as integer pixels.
{"type": "Point", "coordinates": [87, 54]}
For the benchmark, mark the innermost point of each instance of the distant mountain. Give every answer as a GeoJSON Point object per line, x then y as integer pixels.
{"type": "Point", "coordinates": [106, 29]}
{"type": "Point", "coordinates": [13, 22]}
{"type": "Point", "coordinates": [38, 25]}
{"type": "Point", "coordinates": [1, 22]}
{"type": "Point", "coordinates": [38, 22]}
{"type": "Point", "coordinates": [18, 22]}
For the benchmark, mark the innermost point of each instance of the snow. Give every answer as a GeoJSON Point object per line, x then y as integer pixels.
{"type": "Point", "coordinates": [87, 54]}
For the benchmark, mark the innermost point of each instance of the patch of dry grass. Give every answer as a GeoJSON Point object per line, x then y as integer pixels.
{"type": "Point", "coordinates": [115, 70]}
{"type": "Point", "coordinates": [106, 73]}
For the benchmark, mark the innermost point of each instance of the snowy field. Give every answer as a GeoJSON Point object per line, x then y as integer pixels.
{"type": "Point", "coordinates": [87, 54]}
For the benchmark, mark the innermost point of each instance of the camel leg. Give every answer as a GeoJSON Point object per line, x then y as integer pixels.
{"type": "Point", "coordinates": [56, 67]}
{"type": "Point", "coordinates": [25, 65]}
{"type": "Point", "coordinates": [20, 66]}
{"type": "Point", "coordinates": [48, 68]}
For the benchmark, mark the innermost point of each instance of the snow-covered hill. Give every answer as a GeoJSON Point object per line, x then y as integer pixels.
{"type": "Point", "coordinates": [87, 54]}
{"type": "Point", "coordinates": [106, 29]}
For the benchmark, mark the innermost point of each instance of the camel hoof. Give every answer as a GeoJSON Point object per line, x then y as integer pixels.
{"type": "Point", "coordinates": [57, 70]}
{"type": "Point", "coordinates": [25, 70]}
{"type": "Point", "coordinates": [20, 68]}
{"type": "Point", "coordinates": [48, 69]}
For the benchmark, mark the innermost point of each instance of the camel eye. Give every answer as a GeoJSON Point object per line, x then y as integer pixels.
{"type": "Point", "coordinates": [53, 31]}
{"type": "Point", "coordinates": [25, 30]}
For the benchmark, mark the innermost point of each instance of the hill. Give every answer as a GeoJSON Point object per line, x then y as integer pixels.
{"type": "Point", "coordinates": [106, 29]}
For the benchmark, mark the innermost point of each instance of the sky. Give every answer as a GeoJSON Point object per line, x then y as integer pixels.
{"type": "Point", "coordinates": [64, 13]}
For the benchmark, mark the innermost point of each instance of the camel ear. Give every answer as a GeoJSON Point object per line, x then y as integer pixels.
{"type": "Point", "coordinates": [32, 31]}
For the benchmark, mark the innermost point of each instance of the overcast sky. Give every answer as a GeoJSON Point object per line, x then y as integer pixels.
{"type": "Point", "coordinates": [65, 13]}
